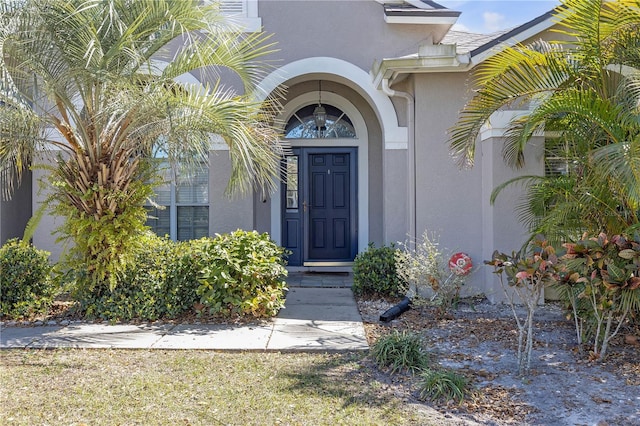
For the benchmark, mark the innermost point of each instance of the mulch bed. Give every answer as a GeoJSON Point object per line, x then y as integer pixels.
{"type": "Point", "coordinates": [479, 341]}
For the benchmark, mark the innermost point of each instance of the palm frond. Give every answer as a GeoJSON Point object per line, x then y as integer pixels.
{"type": "Point", "coordinates": [622, 162]}
{"type": "Point", "coordinates": [516, 75]}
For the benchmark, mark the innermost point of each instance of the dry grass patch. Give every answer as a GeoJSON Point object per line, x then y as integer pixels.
{"type": "Point", "coordinates": [122, 387]}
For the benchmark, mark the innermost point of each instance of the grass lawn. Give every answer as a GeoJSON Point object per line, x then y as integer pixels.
{"type": "Point", "coordinates": [120, 387]}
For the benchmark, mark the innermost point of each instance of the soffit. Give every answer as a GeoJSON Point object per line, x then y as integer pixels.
{"type": "Point", "coordinates": [458, 51]}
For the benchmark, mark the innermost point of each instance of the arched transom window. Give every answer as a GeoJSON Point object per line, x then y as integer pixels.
{"type": "Point", "coordinates": [319, 122]}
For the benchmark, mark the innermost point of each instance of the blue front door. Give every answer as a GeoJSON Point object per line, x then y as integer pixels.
{"type": "Point", "coordinates": [320, 208]}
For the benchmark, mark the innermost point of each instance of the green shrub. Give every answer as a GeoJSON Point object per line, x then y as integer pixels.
{"type": "Point", "coordinates": [160, 283]}
{"type": "Point", "coordinates": [446, 384]}
{"type": "Point", "coordinates": [231, 274]}
{"type": "Point", "coordinates": [400, 351]}
{"type": "Point", "coordinates": [374, 272]}
{"type": "Point", "coordinates": [243, 275]}
{"type": "Point", "coordinates": [26, 287]}
{"type": "Point", "coordinates": [599, 277]}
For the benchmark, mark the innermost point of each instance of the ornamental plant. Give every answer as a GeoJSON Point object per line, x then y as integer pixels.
{"type": "Point", "coordinates": [429, 278]}
{"type": "Point", "coordinates": [442, 384]}
{"type": "Point", "coordinates": [87, 80]}
{"type": "Point", "coordinates": [523, 277]}
{"type": "Point", "coordinates": [26, 287]}
{"type": "Point", "coordinates": [160, 283]}
{"type": "Point", "coordinates": [243, 275]}
{"type": "Point", "coordinates": [400, 350]}
{"type": "Point", "coordinates": [600, 278]}
{"type": "Point", "coordinates": [375, 272]}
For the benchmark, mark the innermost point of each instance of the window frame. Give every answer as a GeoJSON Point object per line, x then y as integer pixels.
{"type": "Point", "coordinates": [303, 118]}
{"type": "Point", "coordinates": [172, 181]}
{"type": "Point", "coordinates": [247, 15]}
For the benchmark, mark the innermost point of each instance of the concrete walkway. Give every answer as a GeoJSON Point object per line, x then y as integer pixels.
{"type": "Point", "coordinates": [320, 314]}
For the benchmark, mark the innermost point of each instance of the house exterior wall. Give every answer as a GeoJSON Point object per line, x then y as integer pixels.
{"type": "Point", "coordinates": [44, 237]}
{"type": "Point", "coordinates": [15, 213]}
{"type": "Point", "coordinates": [451, 203]}
{"type": "Point", "coordinates": [318, 29]}
{"type": "Point", "coordinates": [448, 200]}
{"type": "Point", "coordinates": [353, 31]}
{"type": "Point", "coordinates": [226, 214]}
{"type": "Point", "coordinates": [501, 229]}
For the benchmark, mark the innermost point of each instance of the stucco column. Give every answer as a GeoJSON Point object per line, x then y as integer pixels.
{"type": "Point", "coordinates": [501, 227]}
{"type": "Point", "coordinates": [395, 203]}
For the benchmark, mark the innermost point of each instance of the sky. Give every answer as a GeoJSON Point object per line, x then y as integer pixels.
{"type": "Point", "coordinates": [487, 16]}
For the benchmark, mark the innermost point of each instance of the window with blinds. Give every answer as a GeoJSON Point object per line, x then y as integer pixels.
{"type": "Point", "coordinates": [234, 7]}
{"type": "Point", "coordinates": [181, 209]}
{"type": "Point", "coordinates": [244, 13]}
{"type": "Point", "coordinates": [558, 159]}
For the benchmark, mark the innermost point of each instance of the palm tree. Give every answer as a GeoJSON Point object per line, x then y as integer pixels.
{"type": "Point", "coordinates": [587, 92]}
{"type": "Point", "coordinates": [96, 83]}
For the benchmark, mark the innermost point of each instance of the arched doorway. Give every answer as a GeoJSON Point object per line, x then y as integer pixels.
{"type": "Point", "coordinates": [321, 209]}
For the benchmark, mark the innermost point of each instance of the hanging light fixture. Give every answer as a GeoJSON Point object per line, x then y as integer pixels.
{"type": "Point", "coordinates": [319, 113]}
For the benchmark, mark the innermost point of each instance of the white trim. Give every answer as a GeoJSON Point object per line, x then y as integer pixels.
{"type": "Point", "coordinates": [421, 20]}
{"type": "Point", "coordinates": [396, 146]}
{"type": "Point", "coordinates": [247, 19]}
{"type": "Point", "coordinates": [397, 139]}
{"type": "Point", "coordinates": [217, 143]}
{"type": "Point", "coordinates": [419, 63]}
{"type": "Point", "coordinates": [624, 70]}
{"type": "Point", "coordinates": [248, 25]}
{"type": "Point", "coordinates": [498, 123]}
{"type": "Point", "coordinates": [361, 142]}
{"type": "Point", "coordinates": [343, 72]}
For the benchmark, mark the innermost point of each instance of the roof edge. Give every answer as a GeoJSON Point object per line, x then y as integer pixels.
{"type": "Point", "coordinates": [516, 32]}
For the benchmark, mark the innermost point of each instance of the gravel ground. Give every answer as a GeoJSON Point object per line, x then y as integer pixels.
{"type": "Point", "coordinates": [479, 340]}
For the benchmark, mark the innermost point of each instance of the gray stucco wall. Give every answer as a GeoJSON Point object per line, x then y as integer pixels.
{"type": "Point", "coordinates": [501, 229]}
{"type": "Point", "coordinates": [354, 31]}
{"type": "Point", "coordinates": [16, 212]}
{"type": "Point", "coordinates": [394, 191]}
{"type": "Point", "coordinates": [452, 203]}
{"type": "Point", "coordinates": [44, 237]}
{"type": "Point", "coordinates": [226, 214]}
{"type": "Point", "coordinates": [448, 200]}
{"type": "Point", "coordinates": [445, 194]}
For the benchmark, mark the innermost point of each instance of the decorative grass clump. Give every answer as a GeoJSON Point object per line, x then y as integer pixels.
{"type": "Point", "coordinates": [400, 351]}
{"type": "Point", "coordinates": [442, 384]}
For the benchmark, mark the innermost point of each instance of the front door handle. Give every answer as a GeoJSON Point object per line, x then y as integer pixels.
{"type": "Point", "coordinates": [304, 206]}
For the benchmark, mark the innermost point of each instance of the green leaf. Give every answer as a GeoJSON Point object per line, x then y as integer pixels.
{"type": "Point", "coordinates": [628, 254]}
{"type": "Point", "coordinates": [616, 274]}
